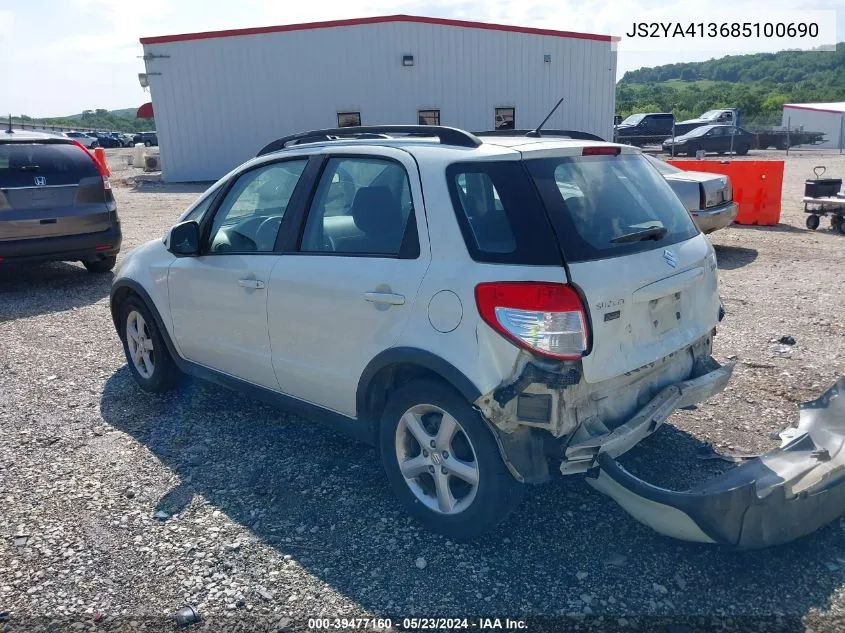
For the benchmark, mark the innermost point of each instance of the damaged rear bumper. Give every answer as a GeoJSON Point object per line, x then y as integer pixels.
{"type": "Point", "coordinates": [581, 453]}
{"type": "Point", "coordinates": [773, 499]}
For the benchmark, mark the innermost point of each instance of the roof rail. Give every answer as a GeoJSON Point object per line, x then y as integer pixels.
{"type": "Point", "coordinates": [447, 135]}
{"type": "Point", "coordinates": [573, 134]}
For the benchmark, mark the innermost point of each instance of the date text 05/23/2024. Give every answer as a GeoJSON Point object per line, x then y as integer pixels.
{"type": "Point", "coordinates": [419, 624]}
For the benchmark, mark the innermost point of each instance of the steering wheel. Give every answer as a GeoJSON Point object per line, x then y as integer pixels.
{"type": "Point", "coordinates": [265, 236]}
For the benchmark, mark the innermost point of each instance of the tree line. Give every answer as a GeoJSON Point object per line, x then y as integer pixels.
{"type": "Point", "coordinates": [757, 84]}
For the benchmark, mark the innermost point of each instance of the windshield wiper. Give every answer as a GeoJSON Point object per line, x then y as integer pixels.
{"type": "Point", "coordinates": [651, 233]}
{"type": "Point", "coordinates": [26, 167]}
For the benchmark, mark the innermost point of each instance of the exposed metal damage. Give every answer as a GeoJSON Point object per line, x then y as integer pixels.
{"type": "Point", "coordinates": [773, 499]}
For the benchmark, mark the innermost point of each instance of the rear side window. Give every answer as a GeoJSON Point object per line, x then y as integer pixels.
{"type": "Point", "coordinates": [51, 164]}
{"type": "Point", "coordinates": [600, 204]}
{"type": "Point", "coordinates": [501, 217]}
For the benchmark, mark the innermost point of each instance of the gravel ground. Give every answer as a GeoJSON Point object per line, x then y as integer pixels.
{"type": "Point", "coordinates": [121, 505]}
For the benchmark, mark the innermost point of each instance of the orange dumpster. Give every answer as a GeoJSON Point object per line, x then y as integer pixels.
{"type": "Point", "coordinates": [757, 186]}
{"type": "Point", "coordinates": [100, 155]}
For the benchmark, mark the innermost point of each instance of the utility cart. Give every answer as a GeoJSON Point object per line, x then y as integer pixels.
{"type": "Point", "coordinates": [822, 196]}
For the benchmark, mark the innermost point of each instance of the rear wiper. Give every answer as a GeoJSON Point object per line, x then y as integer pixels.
{"type": "Point", "coordinates": [26, 167]}
{"type": "Point", "coordinates": [651, 233]}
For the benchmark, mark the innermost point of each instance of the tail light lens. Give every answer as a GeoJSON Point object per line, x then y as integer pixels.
{"type": "Point", "coordinates": [546, 318]}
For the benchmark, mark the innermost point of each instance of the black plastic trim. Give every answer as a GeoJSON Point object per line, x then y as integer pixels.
{"type": "Point", "coordinates": [421, 358]}
{"type": "Point", "coordinates": [62, 248]}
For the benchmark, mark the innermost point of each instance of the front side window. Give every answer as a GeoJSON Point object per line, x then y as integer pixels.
{"type": "Point", "coordinates": [505, 119]}
{"type": "Point", "coordinates": [250, 215]}
{"type": "Point", "coordinates": [348, 119]}
{"type": "Point", "coordinates": [608, 206]}
{"type": "Point", "coordinates": [198, 209]}
{"type": "Point", "coordinates": [362, 206]}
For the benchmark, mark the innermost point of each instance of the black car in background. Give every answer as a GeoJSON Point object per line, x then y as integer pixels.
{"type": "Point", "coordinates": [56, 203]}
{"type": "Point", "coordinates": [147, 138]}
{"type": "Point", "coordinates": [721, 139]}
{"type": "Point", "coordinates": [644, 128]}
{"type": "Point", "coordinates": [106, 140]}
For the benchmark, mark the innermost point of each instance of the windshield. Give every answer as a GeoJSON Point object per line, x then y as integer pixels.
{"type": "Point", "coordinates": [607, 206]}
{"type": "Point", "coordinates": [663, 168]}
{"type": "Point", "coordinates": [710, 114]}
{"type": "Point", "coordinates": [633, 119]}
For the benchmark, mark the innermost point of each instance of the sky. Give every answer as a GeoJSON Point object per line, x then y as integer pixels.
{"type": "Point", "coordinates": [59, 57]}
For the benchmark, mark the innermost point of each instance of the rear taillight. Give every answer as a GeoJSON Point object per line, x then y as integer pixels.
{"type": "Point", "coordinates": [702, 197]}
{"type": "Point", "coordinates": [104, 172]}
{"type": "Point", "coordinates": [543, 317]}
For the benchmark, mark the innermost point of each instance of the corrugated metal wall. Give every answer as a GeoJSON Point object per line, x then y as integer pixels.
{"type": "Point", "coordinates": [828, 123]}
{"type": "Point", "coordinates": [218, 101]}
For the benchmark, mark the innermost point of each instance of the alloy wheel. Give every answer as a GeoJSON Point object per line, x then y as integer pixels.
{"type": "Point", "coordinates": [140, 343]}
{"type": "Point", "coordinates": [437, 459]}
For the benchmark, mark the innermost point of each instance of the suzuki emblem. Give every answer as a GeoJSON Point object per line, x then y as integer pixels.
{"type": "Point", "coordinates": [670, 258]}
{"type": "Point", "coordinates": [40, 181]}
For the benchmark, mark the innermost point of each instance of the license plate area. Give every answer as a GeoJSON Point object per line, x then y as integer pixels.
{"type": "Point", "coordinates": [665, 313]}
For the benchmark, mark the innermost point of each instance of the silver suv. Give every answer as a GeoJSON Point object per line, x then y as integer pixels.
{"type": "Point", "coordinates": [483, 309]}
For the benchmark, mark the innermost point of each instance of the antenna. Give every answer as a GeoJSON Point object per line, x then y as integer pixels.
{"type": "Point", "coordinates": [536, 130]}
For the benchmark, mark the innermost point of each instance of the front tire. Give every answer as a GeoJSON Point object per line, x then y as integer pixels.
{"type": "Point", "coordinates": [691, 150]}
{"type": "Point", "coordinates": [443, 463]}
{"type": "Point", "coordinates": [812, 222]}
{"type": "Point", "coordinates": [146, 353]}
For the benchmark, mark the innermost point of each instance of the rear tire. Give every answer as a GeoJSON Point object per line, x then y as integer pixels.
{"type": "Point", "coordinates": [812, 222]}
{"type": "Point", "coordinates": [146, 353]}
{"type": "Point", "coordinates": [100, 265]}
{"type": "Point", "coordinates": [435, 482]}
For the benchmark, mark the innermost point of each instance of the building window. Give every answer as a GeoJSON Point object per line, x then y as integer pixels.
{"type": "Point", "coordinates": [505, 118]}
{"type": "Point", "coordinates": [348, 119]}
{"type": "Point", "coordinates": [429, 117]}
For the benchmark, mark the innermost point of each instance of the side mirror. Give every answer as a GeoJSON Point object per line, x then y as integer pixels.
{"type": "Point", "coordinates": [184, 239]}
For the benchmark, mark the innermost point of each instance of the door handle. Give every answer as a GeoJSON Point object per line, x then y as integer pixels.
{"type": "Point", "coordinates": [384, 297]}
{"type": "Point", "coordinates": [253, 284]}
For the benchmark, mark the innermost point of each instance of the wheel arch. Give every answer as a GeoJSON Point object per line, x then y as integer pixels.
{"type": "Point", "coordinates": [121, 291]}
{"type": "Point", "coordinates": [396, 366]}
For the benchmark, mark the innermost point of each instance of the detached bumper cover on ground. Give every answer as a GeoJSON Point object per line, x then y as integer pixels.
{"type": "Point", "coordinates": [773, 499]}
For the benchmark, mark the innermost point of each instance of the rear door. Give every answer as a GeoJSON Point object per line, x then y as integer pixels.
{"type": "Point", "coordinates": [50, 190]}
{"type": "Point", "coordinates": [646, 273]}
{"type": "Point", "coordinates": [347, 293]}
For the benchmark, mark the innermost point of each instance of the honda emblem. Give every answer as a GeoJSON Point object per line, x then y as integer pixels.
{"type": "Point", "coordinates": [40, 181]}
{"type": "Point", "coordinates": [670, 258]}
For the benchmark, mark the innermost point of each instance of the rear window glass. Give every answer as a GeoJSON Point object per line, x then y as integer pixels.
{"type": "Point", "coordinates": [57, 164]}
{"type": "Point", "coordinates": [501, 217]}
{"type": "Point", "coordinates": [601, 204]}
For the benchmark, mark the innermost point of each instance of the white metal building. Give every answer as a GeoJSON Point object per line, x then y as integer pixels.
{"type": "Point", "coordinates": [828, 118]}
{"type": "Point", "coordinates": [219, 97]}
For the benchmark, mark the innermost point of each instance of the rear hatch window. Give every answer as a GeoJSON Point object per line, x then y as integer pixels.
{"type": "Point", "coordinates": [59, 164]}
{"type": "Point", "coordinates": [609, 205]}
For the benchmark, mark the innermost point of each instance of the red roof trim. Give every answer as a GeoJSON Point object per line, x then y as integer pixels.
{"type": "Point", "coordinates": [798, 107]}
{"type": "Point", "coordinates": [184, 37]}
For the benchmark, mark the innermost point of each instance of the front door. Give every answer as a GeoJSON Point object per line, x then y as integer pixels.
{"type": "Point", "coordinates": [347, 293]}
{"type": "Point", "coordinates": [218, 301]}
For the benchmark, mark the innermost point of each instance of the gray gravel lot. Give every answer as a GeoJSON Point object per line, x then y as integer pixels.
{"type": "Point", "coordinates": [119, 503]}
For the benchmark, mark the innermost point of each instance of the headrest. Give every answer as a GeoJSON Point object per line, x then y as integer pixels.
{"type": "Point", "coordinates": [375, 210]}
